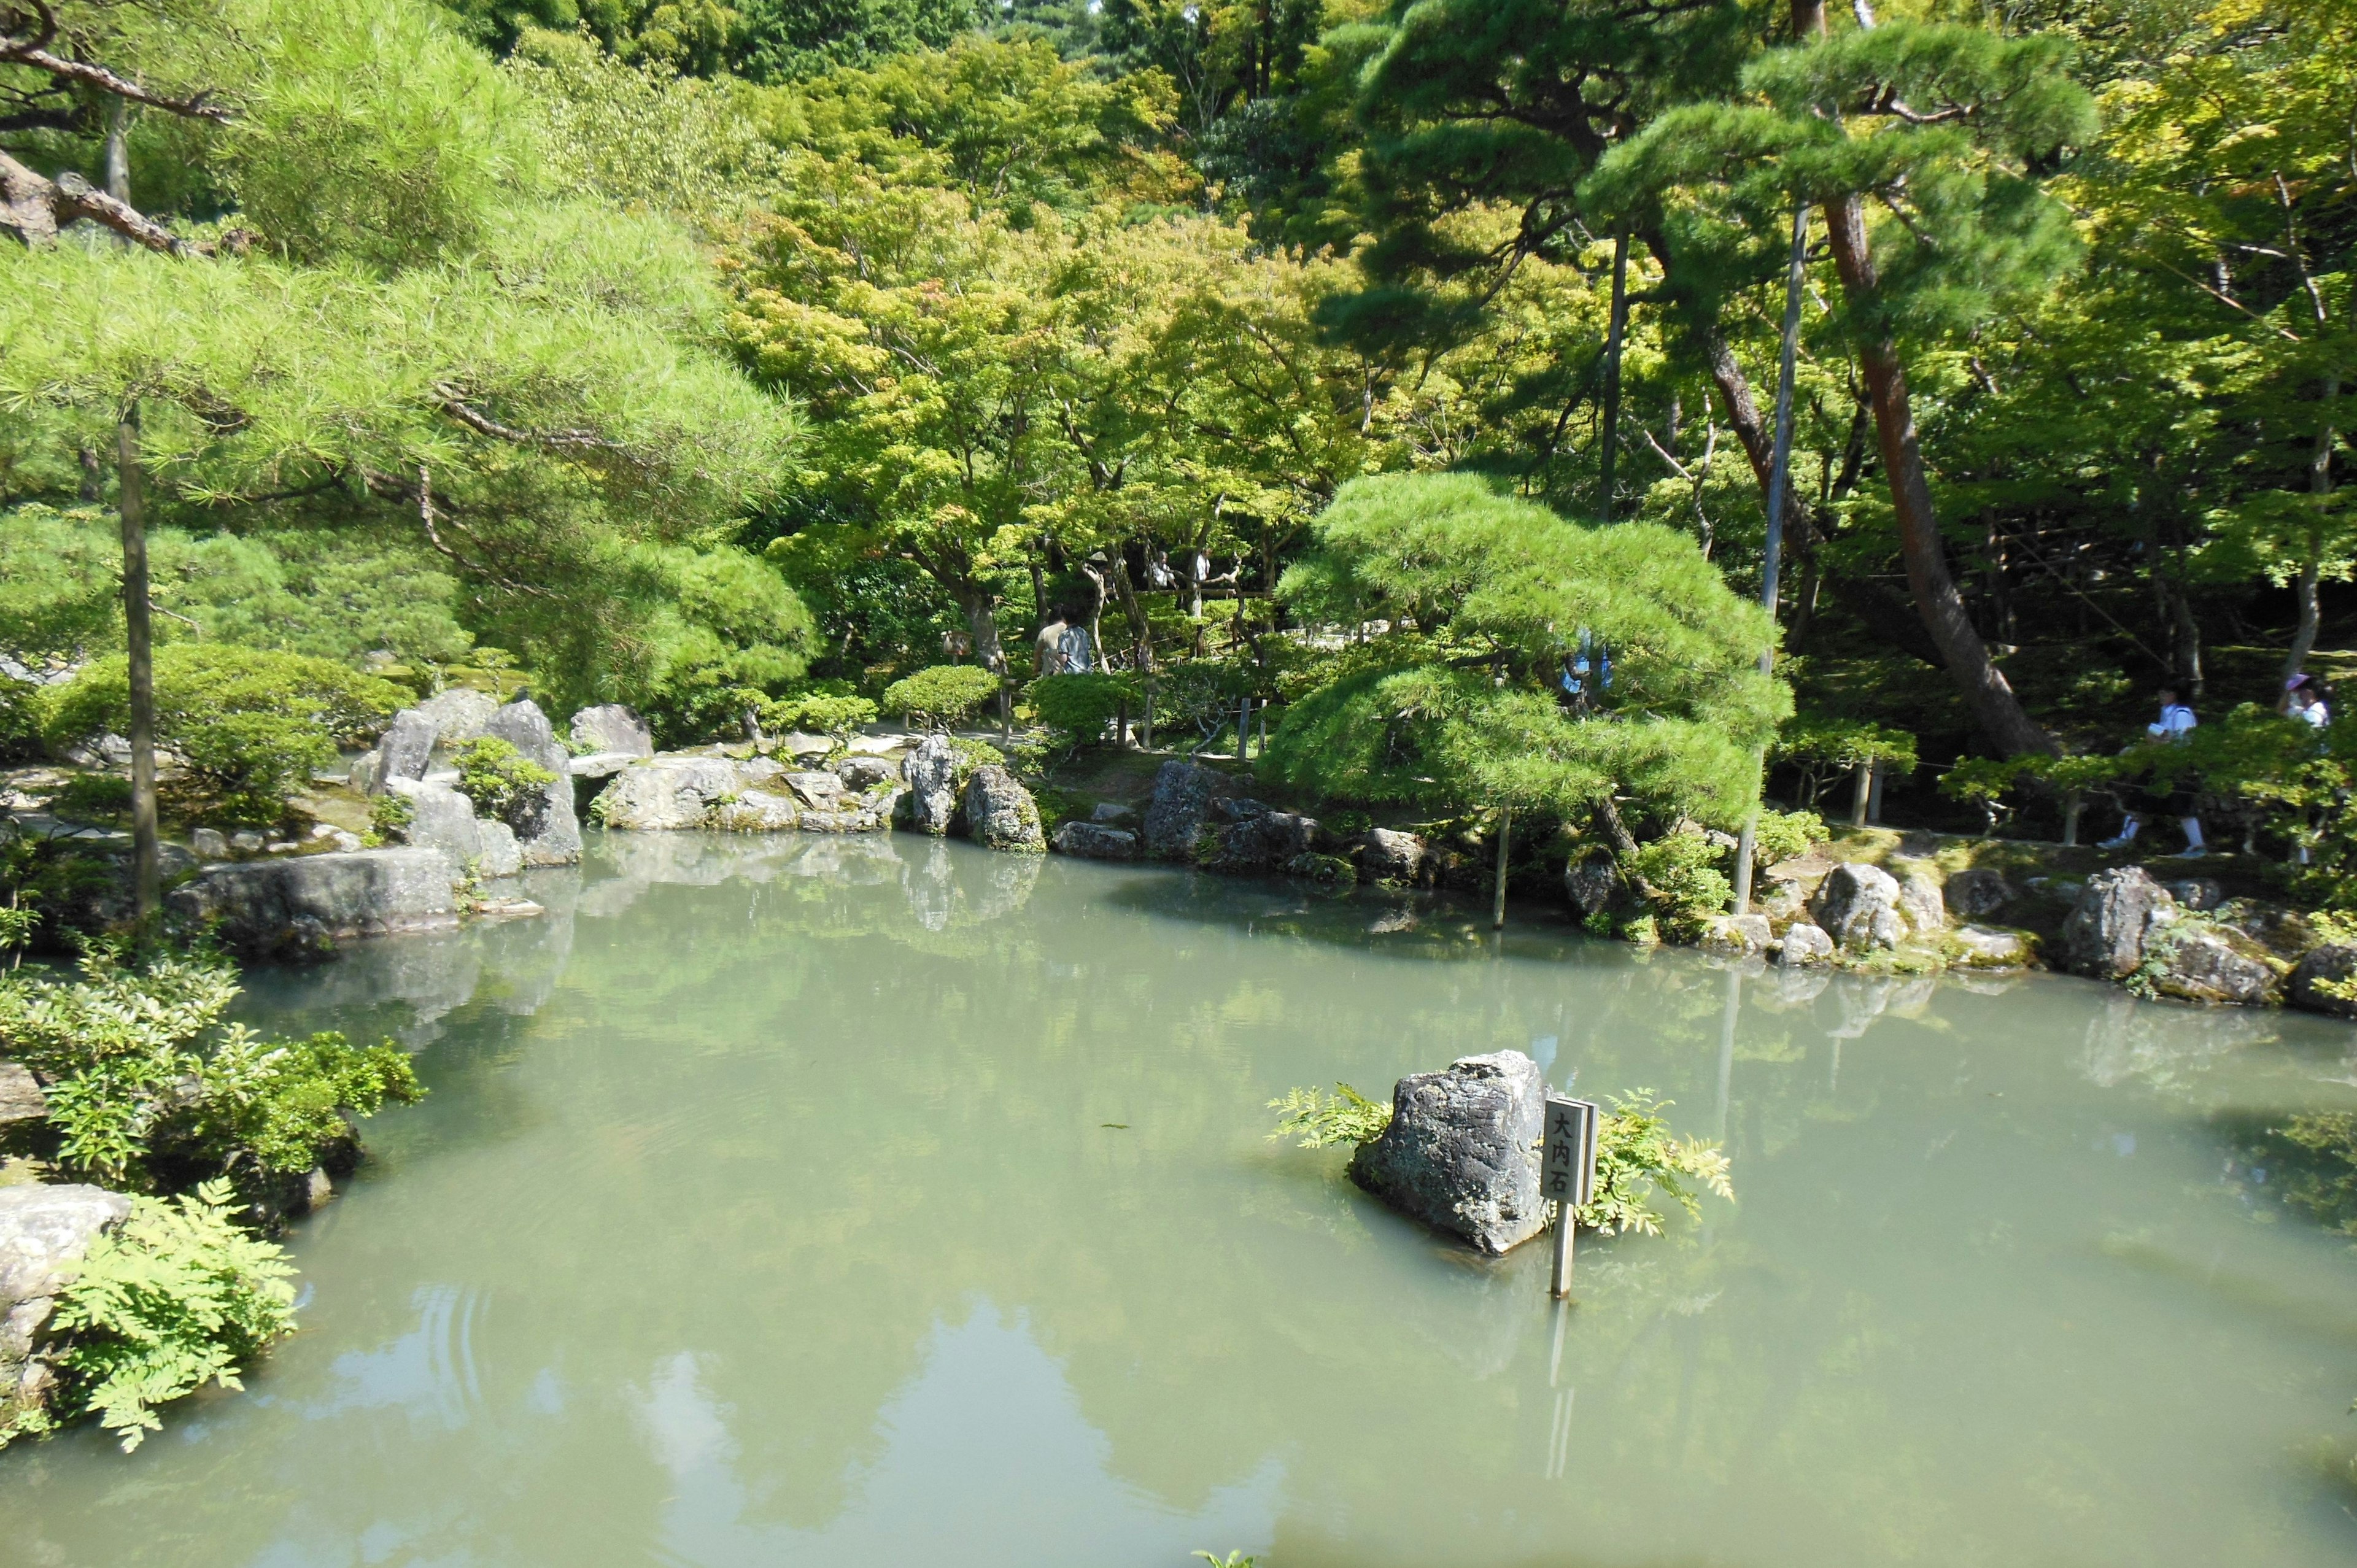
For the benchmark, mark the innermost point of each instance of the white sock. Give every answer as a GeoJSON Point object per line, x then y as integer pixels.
{"type": "Point", "coordinates": [2128, 828]}
{"type": "Point", "coordinates": [2192, 826]}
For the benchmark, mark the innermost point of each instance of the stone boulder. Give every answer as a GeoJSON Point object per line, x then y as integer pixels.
{"type": "Point", "coordinates": [1183, 793]}
{"type": "Point", "coordinates": [21, 1099]}
{"type": "Point", "coordinates": [1113, 815]}
{"type": "Point", "coordinates": [2104, 933]}
{"type": "Point", "coordinates": [459, 714]}
{"type": "Point", "coordinates": [44, 1231]}
{"type": "Point", "coordinates": [600, 763]}
{"type": "Point", "coordinates": [1921, 900]}
{"type": "Point", "coordinates": [820, 791]}
{"type": "Point", "coordinates": [501, 856]}
{"type": "Point", "coordinates": [756, 812]}
{"type": "Point", "coordinates": [301, 906]}
{"type": "Point", "coordinates": [667, 793]}
{"type": "Point", "coordinates": [2198, 965]}
{"type": "Point", "coordinates": [611, 728]}
{"type": "Point", "coordinates": [210, 844]}
{"type": "Point", "coordinates": [548, 833]}
{"type": "Point", "coordinates": [931, 770]}
{"type": "Point", "coordinates": [1000, 812]}
{"type": "Point", "coordinates": [2335, 962]}
{"type": "Point", "coordinates": [1388, 855]}
{"type": "Point", "coordinates": [2198, 893]}
{"type": "Point", "coordinates": [803, 747]}
{"type": "Point", "coordinates": [1266, 841]}
{"type": "Point", "coordinates": [439, 818]}
{"type": "Point", "coordinates": [404, 750]}
{"type": "Point", "coordinates": [1094, 841]}
{"type": "Point", "coordinates": [1737, 936]}
{"type": "Point", "coordinates": [1858, 906]}
{"type": "Point", "coordinates": [1978, 946]}
{"type": "Point", "coordinates": [864, 773]}
{"type": "Point", "coordinates": [1804, 944]}
{"type": "Point", "coordinates": [1977, 893]}
{"type": "Point", "coordinates": [1593, 885]}
{"type": "Point", "coordinates": [1461, 1151]}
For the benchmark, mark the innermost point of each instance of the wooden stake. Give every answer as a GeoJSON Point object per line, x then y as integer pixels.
{"type": "Point", "coordinates": [1566, 1229]}
{"type": "Point", "coordinates": [1505, 829]}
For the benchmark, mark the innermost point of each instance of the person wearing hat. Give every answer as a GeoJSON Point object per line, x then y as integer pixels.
{"type": "Point", "coordinates": [2175, 724]}
{"type": "Point", "coordinates": [2304, 699]}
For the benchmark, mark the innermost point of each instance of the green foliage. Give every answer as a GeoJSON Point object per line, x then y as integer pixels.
{"type": "Point", "coordinates": [1636, 1156]}
{"type": "Point", "coordinates": [180, 1296]}
{"type": "Point", "coordinates": [1684, 870]}
{"type": "Point", "coordinates": [1786, 835]}
{"type": "Point", "coordinates": [1318, 1120]}
{"type": "Point", "coordinates": [2311, 1160]}
{"type": "Point", "coordinates": [142, 1073]}
{"type": "Point", "coordinates": [390, 815]}
{"type": "Point", "coordinates": [1497, 591]}
{"type": "Point", "coordinates": [249, 727]}
{"type": "Point", "coordinates": [20, 719]}
{"type": "Point", "coordinates": [965, 755]}
{"type": "Point", "coordinates": [787, 39]}
{"type": "Point", "coordinates": [93, 798]}
{"type": "Point", "coordinates": [1845, 743]}
{"type": "Point", "coordinates": [1081, 706]}
{"type": "Point", "coordinates": [942, 697]}
{"type": "Point", "coordinates": [501, 780]}
{"type": "Point", "coordinates": [823, 713]}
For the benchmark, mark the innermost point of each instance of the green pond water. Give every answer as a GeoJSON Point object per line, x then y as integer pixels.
{"type": "Point", "coordinates": [880, 1202]}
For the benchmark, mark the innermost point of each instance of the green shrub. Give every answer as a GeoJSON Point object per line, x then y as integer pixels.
{"type": "Point", "coordinates": [1786, 835]}
{"type": "Point", "coordinates": [1683, 868]}
{"type": "Point", "coordinates": [390, 815]}
{"type": "Point", "coordinates": [942, 697]}
{"type": "Point", "coordinates": [181, 1296]}
{"type": "Point", "coordinates": [249, 727]}
{"type": "Point", "coordinates": [93, 798]}
{"type": "Point", "coordinates": [1317, 1120]}
{"type": "Point", "coordinates": [818, 713]}
{"type": "Point", "coordinates": [20, 720]}
{"type": "Point", "coordinates": [1078, 707]}
{"type": "Point", "coordinates": [143, 1077]}
{"type": "Point", "coordinates": [1636, 1156]}
{"type": "Point", "coordinates": [501, 780]}
{"type": "Point", "coordinates": [965, 755]}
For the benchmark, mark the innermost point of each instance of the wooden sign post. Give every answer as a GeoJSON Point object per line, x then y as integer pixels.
{"type": "Point", "coordinates": [1567, 1174]}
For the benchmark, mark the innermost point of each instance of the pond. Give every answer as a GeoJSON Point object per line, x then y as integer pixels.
{"type": "Point", "coordinates": [877, 1201]}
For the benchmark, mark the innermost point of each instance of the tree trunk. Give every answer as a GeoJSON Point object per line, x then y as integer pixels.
{"type": "Point", "coordinates": [1615, 335]}
{"type": "Point", "coordinates": [1863, 779]}
{"type": "Point", "coordinates": [117, 170]}
{"type": "Point", "coordinates": [1505, 833]}
{"type": "Point", "coordinates": [2320, 484]}
{"type": "Point", "coordinates": [1141, 633]}
{"type": "Point", "coordinates": [132, 504]}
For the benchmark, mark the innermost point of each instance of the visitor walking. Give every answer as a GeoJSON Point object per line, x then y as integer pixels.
{"type": "Point", "coordinates": [2176, 722]}
{"type": "Point", "coordinates": [1047, 648]}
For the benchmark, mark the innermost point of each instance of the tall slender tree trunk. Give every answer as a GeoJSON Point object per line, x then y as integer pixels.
{"type": "Point", "coordinates": [1141, 633]}
{"type": "Point", "coordinates": [1616, 333]}
{"type": "Point", "coordinates": [132, 504]}
{"type": "Point", "coordinates": [2311, 560]}
{"type": "Point", "coordinates": [1985, 691]}
{"type": "Point", "coordinates": [117, 154]}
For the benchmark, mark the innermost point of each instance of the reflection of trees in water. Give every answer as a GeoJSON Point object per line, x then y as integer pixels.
{"type": "Point", "coordinates": [792, 1104]}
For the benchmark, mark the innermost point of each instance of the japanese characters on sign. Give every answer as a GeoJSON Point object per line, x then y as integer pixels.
{"type": "Point", "coordinates": [1568, 1162]}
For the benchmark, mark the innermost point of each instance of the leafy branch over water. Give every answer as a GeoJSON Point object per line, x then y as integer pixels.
{"type": "Point", "coordinates": [1636, 1154]}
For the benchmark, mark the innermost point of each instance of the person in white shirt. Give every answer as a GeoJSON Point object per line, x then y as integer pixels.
{"type": "Point", "coordinates": [2176, 722]}
{"type": "Point", "coordinates": [2304, 699]}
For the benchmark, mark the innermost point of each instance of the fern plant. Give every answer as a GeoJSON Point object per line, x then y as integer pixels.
{"type": "Point", "coordinates": [180, 1296]}
{"type": "Point", "coordinates": [1319, 1121]}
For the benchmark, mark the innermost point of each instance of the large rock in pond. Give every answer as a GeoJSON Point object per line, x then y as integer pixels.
{"type": "Point", "coordinates": [611, 728]}
{"type": "Point", "coordinates": [1094, 841]}
{"type": "Point", "coordinates": [666, 793]}
{"type": "Point", "coordinates": [546, 831]}
{"type": "Point", "coordinates": [931, 769]}
{"type": "Point", "coordinates": [1461, 1153]}
{"type": "Point", "coordinates": [404, 750]}
{"type": "Point", "coordinates": [2334, 962]}
{"type": "Point", "coordinates": [1921, 901]}
{"type": "Point", "coordinates": [1977, 892]}
{"type": "Point", "coordinates": [2106, 932]}
{"type": "Point", "coordinates": [1000, 812]}
{"type": "Point", "coordinates": [757, 811]}
{"type": "Point", "coordinates": [1183, 793]}
{"type": "Point", "coordinates": [1387, 855]}
{"type": "Point", "coordinates": [1264, 841]}
{"type": "Point", "coordinates": [1858, 906]}
{"type": "Point", "coordinates": [439, 818]}
{"type": "Point", "coordinates": [44, 1231]}
{"type": "Point", "coordinates": [860, 774]}
{"type": "Point", "coordinates": [1593, 885]}
{"type": "Point", "coordinates": [1804, 945]}
{"type": "Point", "coordinates": [2197, 965]}
{"type": "Point", "coordinates": [300, 905]}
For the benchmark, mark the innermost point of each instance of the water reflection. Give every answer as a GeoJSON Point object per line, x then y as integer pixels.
{"type": "Point", "coordinates": [876, 1199]}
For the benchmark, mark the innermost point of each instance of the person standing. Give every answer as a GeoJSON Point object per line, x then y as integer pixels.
{"type": "Point", "coordinates": [2304, 699]}
{"type": "Point", "coordinates": [1048, 649]}
{"type": "Point", "coordinates": [2176, 722]}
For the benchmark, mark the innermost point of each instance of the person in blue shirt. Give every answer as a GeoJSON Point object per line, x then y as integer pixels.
{"type": "Point", "coordinates": [2176, 722]}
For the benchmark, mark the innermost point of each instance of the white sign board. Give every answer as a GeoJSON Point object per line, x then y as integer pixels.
{"type": "Point", "coordinates": [1568, 1162]}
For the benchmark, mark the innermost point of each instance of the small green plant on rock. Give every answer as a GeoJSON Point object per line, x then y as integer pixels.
{"type": "Point", "coordinates": [501, 780]}
{"type": "Point", "coordinates": [1318, 1120]}
{"type": "Point", "coordinates": [1682, 869]}
{"type": "Point", "coordinates": [180, 1296]}
{"type": "Point", "coordinates": [390, 815]}
{"type": "Point", "coordinates": [1787, 836]}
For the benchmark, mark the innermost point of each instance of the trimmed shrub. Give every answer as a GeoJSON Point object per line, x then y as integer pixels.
{"type": "Point", "coordinates": [1080, 706]}
{"type": "Point", "coordinates": [501, 780]}
{"type": "Point", "coordinates": [942, 697]}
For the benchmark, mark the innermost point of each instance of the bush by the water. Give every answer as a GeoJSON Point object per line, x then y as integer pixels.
{"type": "Point", "coordinates": [502, 781]}
{"type": "Point", "coordinates": [249, 727]}
{"type": "Point", "coordinates": [942, 697]}
{"type": "Point", "coordinates": [148, 1088]}
{"type": "Point", "coordinates": [180, 1296]}
{"type": "Point", "coordinates": [1636, 1155]}
{"type": "Point", "coordinates": [822, 713]}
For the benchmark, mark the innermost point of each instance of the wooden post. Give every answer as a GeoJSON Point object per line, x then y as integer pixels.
{"type": "Point", "coordinates": [1874, 795]}
{"type": "Point", "coordinates": [131, 503]}
{"type": "Point", "coordinates": [1243, 731]}
{"type": "Point", "coordinates": [1505, 831]}
{"type": "Point", "coordinates": [1567, 1176]}
{"type": "Point", "coordinates": [1565, 1227]}
{"type": "Point", "coordinates": [1864, 775]}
